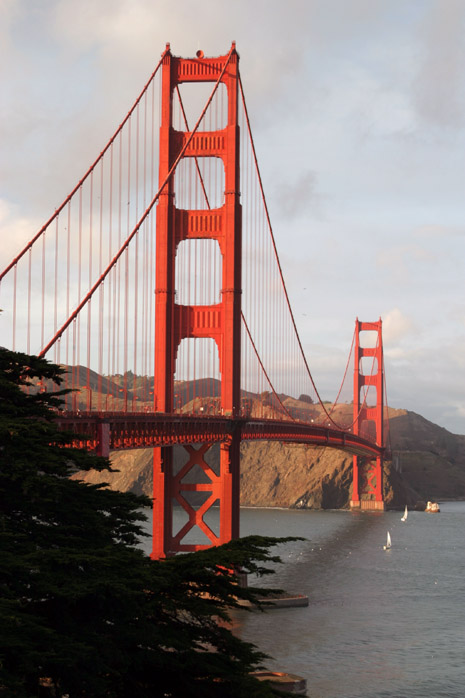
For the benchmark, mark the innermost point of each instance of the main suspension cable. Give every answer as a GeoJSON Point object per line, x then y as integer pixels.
{"type": "Point", "coordinates": [277, 258]}
{"type": "Point", "coordinates": [91, 169]}
{"type": "Point", "coordinates": [143, 217]}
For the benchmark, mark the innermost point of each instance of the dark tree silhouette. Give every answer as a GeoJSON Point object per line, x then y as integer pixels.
{"type": "Point", "coordinates": [83, 611]}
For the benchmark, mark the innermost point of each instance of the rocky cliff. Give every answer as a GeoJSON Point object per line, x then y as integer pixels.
{"type": "Point", "coordinates": [428, 464]}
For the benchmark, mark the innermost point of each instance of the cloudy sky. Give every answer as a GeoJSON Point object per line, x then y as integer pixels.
{"type": "Point", "coordinates": [358, 114]}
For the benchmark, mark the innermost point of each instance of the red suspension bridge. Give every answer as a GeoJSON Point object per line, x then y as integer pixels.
{"type": "Point", "coordinates": [157, 283]}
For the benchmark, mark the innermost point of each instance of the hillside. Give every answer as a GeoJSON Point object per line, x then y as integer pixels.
{"type": "Point", "coordinates": [428, 464]}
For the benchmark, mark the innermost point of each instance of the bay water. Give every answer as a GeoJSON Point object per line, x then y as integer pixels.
{"type": "Point", "coordinates": [380, 623]}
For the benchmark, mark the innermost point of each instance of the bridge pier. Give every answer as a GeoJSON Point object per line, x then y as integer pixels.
{"type": "Point", "coordinates": [371, 505]}
{"type": "Point", "coordinates": [367, 505]}
{"type": "Point", "coordinates": [367, 490]}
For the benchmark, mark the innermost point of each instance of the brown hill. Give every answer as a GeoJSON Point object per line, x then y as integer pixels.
{"type": "Point", "coordinates": [428, 457]}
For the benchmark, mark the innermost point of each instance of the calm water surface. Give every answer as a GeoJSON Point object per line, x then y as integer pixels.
{"type": "Point", "coordinates": [380, 624]}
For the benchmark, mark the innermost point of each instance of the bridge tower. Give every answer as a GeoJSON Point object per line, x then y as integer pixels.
{"type": "Point", "coordinates": [367, 488]}
{"type": "Point", "coordinates": [221, 321]}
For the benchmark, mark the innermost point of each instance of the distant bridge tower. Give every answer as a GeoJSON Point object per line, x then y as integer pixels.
{"type": "Point", "coordinates": [367, 488]}
{"type": "Point", "coordinates": [221, 321]}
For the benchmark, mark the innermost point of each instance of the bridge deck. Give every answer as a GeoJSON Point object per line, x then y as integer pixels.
{"type": "Point", "coordinates": [110, 431]}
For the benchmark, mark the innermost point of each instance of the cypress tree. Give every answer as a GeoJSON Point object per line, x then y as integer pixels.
{"type": "Point", "coordinates": [84, 613]}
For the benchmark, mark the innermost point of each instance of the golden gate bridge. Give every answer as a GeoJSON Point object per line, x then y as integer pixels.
{"type": "Point", "coordinates": [157, 284]}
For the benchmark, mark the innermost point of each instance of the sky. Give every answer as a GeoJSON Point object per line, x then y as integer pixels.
{"type": "Point", "coordinates": [358, 115]}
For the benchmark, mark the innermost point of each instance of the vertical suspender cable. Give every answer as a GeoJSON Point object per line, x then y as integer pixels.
{"type": "Point", "coordinates": [29, 303]}
{"type": "Point", "coordinates": [91, 168]}
{"type": "Point", "coordinates": [144, 367]}
{"type": "Point", "coordinates": [118, 269]}
{"type": "Point", "coordinates": [89, 309]}
{"type": "Point", "coordinates": [126, 272]}
{"type": "Point", "coordinates": [68, 260]}
{"type": "Point", "coordinates": [111, 285]}
{"type": "Point", "coordinates": [101, 294]}
{"type": "Point", "coordinates": [276, 255]}
{"type": "Point", "coordinates": [136, 261]}
{"type": "Point", "coordinates": [43, 293]}
{"type": "Point", "coordinates": [128, 240]}
{"type": "Point", "coordinates": [55, 291]}
{"type": "Point", "coordinates": [15, 285]}
{"type": "Point", "coordinates": [79, 283]}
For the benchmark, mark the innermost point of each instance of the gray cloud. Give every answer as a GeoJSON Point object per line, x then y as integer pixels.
{"type": "Point", "coordinates": [439, 86]}
{"type": "Point", "coordinates": [299, 197]}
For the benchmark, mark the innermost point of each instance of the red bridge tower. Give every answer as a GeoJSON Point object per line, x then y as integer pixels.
{"type": "Point", "coordinates": [221, 321]}
{"type": "Point", "coordinates": [367, 488]}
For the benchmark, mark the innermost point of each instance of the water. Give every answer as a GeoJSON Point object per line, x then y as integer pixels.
{"type": "Point", "coordinates": [380, 624]}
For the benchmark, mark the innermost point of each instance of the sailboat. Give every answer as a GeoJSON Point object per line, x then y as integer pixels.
{"type": "Point", "coordinates": [388, 542]}
{"type": "Point", "coordinates": [404, 518]}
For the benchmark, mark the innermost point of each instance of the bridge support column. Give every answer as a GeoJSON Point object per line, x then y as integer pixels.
{"type": "Point", "coordinates": [103, 439]}
{"type": "Point", "coordinates": [220, 321]}
{"type": "Point", "coordinates": [195, 486]}
{"type": "Point", "coordinates": [230, 478]}
{"type": "Point", "coordinates": [162, 524]}
{"type": "Point", "coordinates": [367, 485]}
{"type": "Point", "coordinates": [355, 500]}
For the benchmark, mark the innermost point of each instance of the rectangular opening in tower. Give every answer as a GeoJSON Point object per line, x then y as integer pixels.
{"type": "Point", "coordinates": [197, 369]}
{"type": "Point", "coordinates": [368, 339]}
{"type": "Point", "coordinates": [368, 395]}
{"type": "Point", "coordinates": [189, 100]}
{"type": "Point", "coordinates": [368, 366]}
{"type": "Point", "coordinates": [198, 274]}
{"type": "Point", "coordinates": [199, 183]}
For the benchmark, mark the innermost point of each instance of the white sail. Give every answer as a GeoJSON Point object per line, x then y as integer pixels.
{"type": "Point", "coordinates": [404, 518]}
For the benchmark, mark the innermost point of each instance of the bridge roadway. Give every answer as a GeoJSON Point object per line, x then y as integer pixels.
{"type": "Point", "coordinates": [103, 432]}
